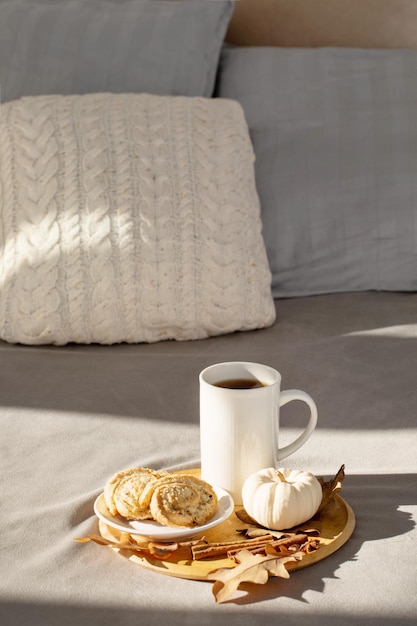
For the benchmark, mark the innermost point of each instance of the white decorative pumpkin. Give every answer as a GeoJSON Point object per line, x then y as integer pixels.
{"type": "Point", "coordinates": [283, 498]}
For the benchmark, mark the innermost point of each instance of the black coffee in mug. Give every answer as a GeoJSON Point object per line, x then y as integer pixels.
{"type": "Point", "coordinates": [239, 383]}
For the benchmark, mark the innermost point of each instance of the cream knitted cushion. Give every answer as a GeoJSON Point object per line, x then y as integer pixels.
{"type": "Point", "coordinates": [128, 218]}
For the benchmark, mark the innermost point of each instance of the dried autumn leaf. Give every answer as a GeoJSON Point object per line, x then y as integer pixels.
{"type": "Point", "coordinates": [101, 541]}
{"type": "Point", "coordinates": [245, 518]}
{"type": "Point", "coordinates": [331, 487]}
{"type": "Point", "coordinates": [253, 568]}
{"type": "Point", "coordinates": [314, 532]}
{"type": "Point", "coordinates": [251, 533]}
{"type": "Point", "coordinates": [162, 550]}
{"type": "Point", "coordinates": [153, 549]}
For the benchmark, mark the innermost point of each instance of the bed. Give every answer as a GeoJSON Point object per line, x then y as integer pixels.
{"type": "Point", "coordinates": [295, 246]}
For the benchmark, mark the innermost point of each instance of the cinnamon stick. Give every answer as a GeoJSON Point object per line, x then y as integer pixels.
{"type": "Point", "coordinates": [286, 542]}
{"type": "Point", "coordinates": [203, 551]}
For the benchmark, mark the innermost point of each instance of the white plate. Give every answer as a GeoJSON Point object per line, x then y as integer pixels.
{"type": "Point", "coordinates": [156, 532]}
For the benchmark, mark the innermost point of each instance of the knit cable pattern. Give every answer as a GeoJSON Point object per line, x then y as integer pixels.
{"type": "Point", "coordinates": [128, 218]}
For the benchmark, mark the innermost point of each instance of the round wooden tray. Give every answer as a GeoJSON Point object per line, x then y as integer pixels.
{"type": "Point", "coordinates": [335, 524]}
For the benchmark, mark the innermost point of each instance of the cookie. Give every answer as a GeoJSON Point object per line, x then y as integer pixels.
{"type": "Point", "coordinates": [182, 500]}
{"type": "Point", "coordinates": [122, 493]}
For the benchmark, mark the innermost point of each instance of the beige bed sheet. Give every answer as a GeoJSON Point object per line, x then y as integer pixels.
{"type": "Point", "coordinates": [71, 416]}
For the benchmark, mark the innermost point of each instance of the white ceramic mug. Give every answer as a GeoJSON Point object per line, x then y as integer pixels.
{"type": "Point", "coordinates": [239, 426]}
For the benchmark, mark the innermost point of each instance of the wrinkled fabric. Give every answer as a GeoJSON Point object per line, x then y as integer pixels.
{"type": "Point", "coordinates": [72, 416]}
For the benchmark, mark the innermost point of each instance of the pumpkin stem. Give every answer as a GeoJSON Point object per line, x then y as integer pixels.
{"type": "Point", "coordinates": [280, 476]}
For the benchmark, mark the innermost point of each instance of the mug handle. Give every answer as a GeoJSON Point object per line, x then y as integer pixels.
{"type": "Point", "coordinates": [296, 394]}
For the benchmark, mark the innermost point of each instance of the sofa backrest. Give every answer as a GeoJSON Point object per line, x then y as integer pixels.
{"type": "Point", "coordinates": [315, 23]}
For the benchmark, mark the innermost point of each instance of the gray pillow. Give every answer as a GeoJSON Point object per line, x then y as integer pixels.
{"type": "Point", "coordinates": [335, 137]}
{"type": "Point", "coordinates": [82, 46]}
